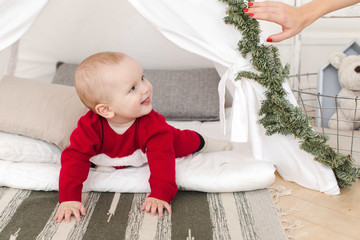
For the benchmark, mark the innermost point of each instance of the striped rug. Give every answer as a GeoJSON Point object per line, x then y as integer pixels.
{"type": "Point", "coordinates": [196, 216]}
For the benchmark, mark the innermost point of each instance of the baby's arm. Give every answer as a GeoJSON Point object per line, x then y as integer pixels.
{"type": "Point", "coordinates": [154, 205]}
{"type": "Point", "coordinates": [66, 209]}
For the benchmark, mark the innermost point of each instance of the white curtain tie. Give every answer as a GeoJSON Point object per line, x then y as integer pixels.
{"type": "Point", "coordinates": [239, 119]}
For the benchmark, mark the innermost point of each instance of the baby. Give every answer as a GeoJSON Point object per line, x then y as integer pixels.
{"type": "Point", "coordinates": [120, 122]}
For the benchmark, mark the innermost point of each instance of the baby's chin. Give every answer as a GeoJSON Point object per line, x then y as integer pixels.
{"type": "Point", "coordinates": [148, 109]}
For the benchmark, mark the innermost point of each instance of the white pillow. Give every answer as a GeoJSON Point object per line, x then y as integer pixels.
{"type": "Point", "coordinates": [18, 148]}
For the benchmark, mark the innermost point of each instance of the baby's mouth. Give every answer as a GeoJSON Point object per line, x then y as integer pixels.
{"type": "Point", "coordinates": [147, 101]}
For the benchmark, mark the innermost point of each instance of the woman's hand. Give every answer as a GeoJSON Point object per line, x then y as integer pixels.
{"type": "Point", "coordinates": [293, 19]}
{"type": "Point", "coordinates": [290, 18]}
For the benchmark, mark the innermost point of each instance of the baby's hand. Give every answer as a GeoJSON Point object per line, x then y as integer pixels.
{"type": "Point", "coordinates": [153, 204]}
{"type": "Point", "coordinates": [66, 209]}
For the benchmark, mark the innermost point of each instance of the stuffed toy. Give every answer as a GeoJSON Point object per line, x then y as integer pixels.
{"type": "Point", "coordinates": [349, 78]}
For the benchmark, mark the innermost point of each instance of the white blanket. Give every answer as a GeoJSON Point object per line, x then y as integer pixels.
{"type": "Point", "coordinates": [208, 172]}
{"type": "Point", "coordinates": [34, 164]}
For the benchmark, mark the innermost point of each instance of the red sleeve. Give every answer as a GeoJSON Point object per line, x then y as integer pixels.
{"type": "Point", "coordinates": [75, 163]}
{"type": "Point", "coordinates": [158, 142]}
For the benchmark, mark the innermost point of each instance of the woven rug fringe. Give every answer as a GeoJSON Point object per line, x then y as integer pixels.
{"type": "Point", "coordinates": [278, 191]}
{"type": "Point", "coordinates": [289, 226]}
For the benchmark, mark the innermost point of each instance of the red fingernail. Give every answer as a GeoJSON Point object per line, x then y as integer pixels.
{"type": "Point", "coordinates": [250, 4]}
{"type": "Point", "coordinates": [246, 10]}
{"type": "Point", "coordinates": [269, 39]}
{"type": "Point", "coordinates": [251, 14]}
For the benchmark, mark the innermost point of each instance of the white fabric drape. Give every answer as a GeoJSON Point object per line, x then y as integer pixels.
{"type": "Point", "coordinates": [16, 17]}
{"type": "Point", "coordinates": [197, 26]}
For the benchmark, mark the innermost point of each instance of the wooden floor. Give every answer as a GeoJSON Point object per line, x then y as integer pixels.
{"type": "Point", "coordinates": [323, 216]}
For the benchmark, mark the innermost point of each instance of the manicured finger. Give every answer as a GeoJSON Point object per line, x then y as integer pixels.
{"type": "Point", "coordinates": [268, 16]}
{"type": "Point", "coordinates": [281, 36]}
{"type": "Point", "coordinates": [261, 10]}
{"type": "Point", "coordinates": [266, 4]}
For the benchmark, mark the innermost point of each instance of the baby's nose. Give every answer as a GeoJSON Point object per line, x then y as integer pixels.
{"type": "Point", "coordinates": [145, 88]}
{"type": "Point", "coordinates": [357, 69]}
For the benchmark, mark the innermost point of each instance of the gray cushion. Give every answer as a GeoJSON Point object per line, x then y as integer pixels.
{"type": "Point", "coordinates": [179, 95]}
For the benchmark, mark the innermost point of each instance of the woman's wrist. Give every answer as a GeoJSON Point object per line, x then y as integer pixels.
{"type": "Point", "coordinates": [315, 9]}
{"type": "Point", "coordinates": [311, 11]}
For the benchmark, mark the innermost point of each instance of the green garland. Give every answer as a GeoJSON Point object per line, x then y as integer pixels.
{"type": "Point", "coordinates": [278, 115]}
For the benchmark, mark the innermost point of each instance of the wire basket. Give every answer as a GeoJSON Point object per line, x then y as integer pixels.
{"type": "Point", "coordinates": [324, 108]}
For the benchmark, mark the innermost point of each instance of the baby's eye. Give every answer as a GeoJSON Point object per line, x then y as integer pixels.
{"type": "Point", "coordinates": [132, 89]}
{"type": "Point", "coordinates": [142, 78]}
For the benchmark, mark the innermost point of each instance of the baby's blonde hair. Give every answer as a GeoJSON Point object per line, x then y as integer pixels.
{"type": "Point", "coordinates": [90, 84]}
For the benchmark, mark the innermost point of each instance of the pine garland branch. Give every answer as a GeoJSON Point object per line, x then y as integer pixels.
{"type": "Point", "coordinates": [278, 115]}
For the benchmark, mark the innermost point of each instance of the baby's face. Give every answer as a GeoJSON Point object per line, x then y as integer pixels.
{"type": "Point", "coordinates": [131, 92]}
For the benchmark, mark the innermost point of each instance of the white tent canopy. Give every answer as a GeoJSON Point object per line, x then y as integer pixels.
{"type": "Point", "coordinates": [197, 26]}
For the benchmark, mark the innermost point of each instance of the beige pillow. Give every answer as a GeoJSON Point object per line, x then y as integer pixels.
{"type": "Point", "coordinates": [39, 110]}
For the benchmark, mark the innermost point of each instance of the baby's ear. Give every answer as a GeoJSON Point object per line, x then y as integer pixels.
{"type": "Point", "coordinates": [336, 59]}
{"type": "Point", "coordinates": [104, 110]}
